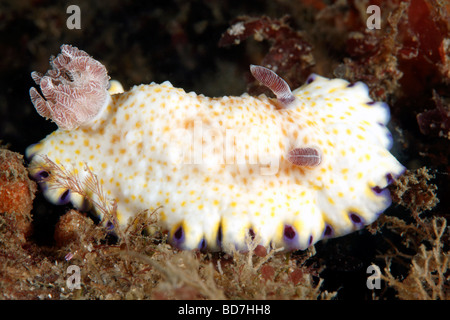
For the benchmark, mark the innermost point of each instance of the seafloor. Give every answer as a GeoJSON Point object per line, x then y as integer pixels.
{"type": "Point", "coordinates": [406, 62]}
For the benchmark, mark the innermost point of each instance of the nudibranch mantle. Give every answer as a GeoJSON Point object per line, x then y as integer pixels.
{"type": "Point", "coordinates": [223, 168]}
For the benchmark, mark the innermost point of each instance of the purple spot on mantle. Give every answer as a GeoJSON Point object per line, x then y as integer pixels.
{"type": "Point", "coordinates": [178, 237]}
{"type": "Point", "coordinates": [377, 189]}
{"type": "Point", "coordinates": [389, 178]}
{"type": "Point", "coordinates": [311, 78]}
{"type": "Point", "coordinates": [178, 234]}
{"type": "Point", "coordinates": [383, 192]}
{"type": "Point", "coordinates": [290, 237]}
{"type": "Point", "coordinates": [356, 219]}
{"type": "Point", "coordinates": [289, 233]}
{"type": "Point", "coordinates": [328, 232]}
{"type": "Point", "coordinates": [251, 233]}
{"type": "Point", "coordinates": [41, 175]}
{"type": "Point", "coordinates": [65, 197]}
{"type": "Point", "coordinates": [202, 245]}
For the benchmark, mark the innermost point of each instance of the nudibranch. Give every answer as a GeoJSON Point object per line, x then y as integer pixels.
{"type": "Point", "coordinates": [310, 164]}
